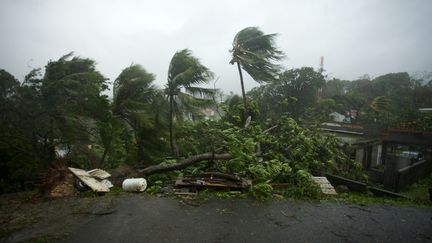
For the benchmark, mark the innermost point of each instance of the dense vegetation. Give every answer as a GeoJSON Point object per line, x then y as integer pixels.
{"type": "Point", "coordinates": [63, 111]}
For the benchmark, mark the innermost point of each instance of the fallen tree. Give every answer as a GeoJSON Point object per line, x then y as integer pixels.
{"type": "Point", "coordinates": [291, 153]}
{"type": "Point", "coordinates": [181, 164]}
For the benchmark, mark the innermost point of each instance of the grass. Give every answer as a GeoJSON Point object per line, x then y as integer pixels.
{"type": "Point", "coordinates": [368, 199]}
{"type": "Point", "coordinates": [419, 191]}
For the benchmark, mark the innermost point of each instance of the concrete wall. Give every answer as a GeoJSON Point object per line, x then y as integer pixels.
{"type": "Point", "coordinates": [359, 155]}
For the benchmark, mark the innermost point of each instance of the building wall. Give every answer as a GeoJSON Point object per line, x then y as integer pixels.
{"type": "Point", "coordinates": [359, 155]}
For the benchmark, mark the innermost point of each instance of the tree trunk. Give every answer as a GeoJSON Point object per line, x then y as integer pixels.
{"type": "Point", "coordinates": [245, 104]}
{"type": "Point", "coordinates": [184, 163]}
{"type": "Point", "coordinates": [102, 160]}
{"type": "Point", "coordinates": [171, 125]}
{"type": "Point", "coordinates": [187, 162]}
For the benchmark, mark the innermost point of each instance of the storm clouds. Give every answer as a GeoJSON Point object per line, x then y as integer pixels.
{"type": "Point", "coordinates": [355, 37]}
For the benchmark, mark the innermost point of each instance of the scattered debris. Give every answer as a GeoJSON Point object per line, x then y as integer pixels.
{"type": "Point", "coordinates": [324, 184]}
{"type": "Point", "coordinates": [99, 174]}
{"type": "Point", "coordinates": [166, 190]}
{"type": "Point", "coordinates": [57, 181]}
{"type": "Point", "coordinates": [213, 181]}
{"type": "Point", "coordinates": [185, 193]}
{"type": "Point", "coordinates": [64, 188]}
{"type": "Point", "coordinates": [134, 185]}
{"type": "Point", "coordinates": [91, 181]}
{"type": "Point", "coordinates": [280, 186]}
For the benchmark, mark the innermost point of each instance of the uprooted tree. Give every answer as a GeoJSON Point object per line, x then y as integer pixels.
{"type": "Point", "coordinates": [286, 153]}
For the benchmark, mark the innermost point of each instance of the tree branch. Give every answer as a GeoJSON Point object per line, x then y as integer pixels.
{"type": "Point", "coordinates": [187, 162]}
{"type": "Point", "coordinates": [184, 163]}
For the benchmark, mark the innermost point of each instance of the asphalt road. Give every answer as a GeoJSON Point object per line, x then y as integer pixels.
{"type": "Point", "coordinates": [143, 219]}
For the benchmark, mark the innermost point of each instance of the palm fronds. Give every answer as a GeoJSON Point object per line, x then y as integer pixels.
{"type": "Point", "coordinates": [256, 52]}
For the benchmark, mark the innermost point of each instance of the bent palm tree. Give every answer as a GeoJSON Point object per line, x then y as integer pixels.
{"type": "Point", "coordinates": [255, 52]}
{"type": "Point", "coordinates": [184, 73]}
{"type": "Point", "coordinates": [132, 108]}
{"type": "Point", "coordinates": [133, 92]}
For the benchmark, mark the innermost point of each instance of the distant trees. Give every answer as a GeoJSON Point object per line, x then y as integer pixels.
{"type": "Point", "coordinates": [387, 100]}
{"type": "Point", "coordinates": [291, 94]}
{"type": "Point", "coordinates": [256, 53]}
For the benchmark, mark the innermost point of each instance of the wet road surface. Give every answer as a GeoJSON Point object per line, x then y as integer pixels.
{"type": "Point", "coordinates": [144, 219]}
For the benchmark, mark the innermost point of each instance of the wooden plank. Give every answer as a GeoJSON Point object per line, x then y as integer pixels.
{"type": "Point", "coordinates": [324, 184]}
{"type": "Point", "coordinates": [99, 174]}
{"type": "Point", "coordinates": [89, 180]}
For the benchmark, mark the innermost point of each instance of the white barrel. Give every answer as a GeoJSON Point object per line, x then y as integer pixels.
{"type": "Point", "coordinates": [134, 185]}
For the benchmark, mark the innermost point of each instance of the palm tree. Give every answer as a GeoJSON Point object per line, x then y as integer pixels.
{"type": "Point", "coordinates": [184, 73]}
{"type": "Point", "coordinates": [133, 92]}
{"type": "Point", "coordinates": [255, 52]}
{"type": "Point", "coordinates": [132, 109]}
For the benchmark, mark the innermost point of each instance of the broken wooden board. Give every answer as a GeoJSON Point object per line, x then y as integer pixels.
{"type": "Point", "coordinates": [212, 183]}
{"type": "Point", "coordinates": [99, 174]}
{"type": "Point", "coordinates": [89, 180]}
{"type": "Point", "coordinates": [325, 186]}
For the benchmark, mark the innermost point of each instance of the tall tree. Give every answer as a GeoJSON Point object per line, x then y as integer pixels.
{"type": "Point", "coordinates": [255, 52]}
{"type": "Point", "coordinates": [184, 73]}
{"type": "Point", "coordinates": [71, 97]}
{"type": "Point", "coordinates": [58, 108]}
{"type": "Point", "coordinates": [133, 110]}
{"type": "Point", "coordinates": [133, 92]}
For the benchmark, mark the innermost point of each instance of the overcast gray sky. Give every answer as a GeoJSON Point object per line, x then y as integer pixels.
{"type": "Point", "coordinates": [355, 37]}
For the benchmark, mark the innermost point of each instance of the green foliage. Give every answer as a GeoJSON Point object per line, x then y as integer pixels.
{"type": "Point", "coordinates": [304, 187]}
{"type": "Point", "coordinates": [319, 112]}
{"type": "Point", "coordinates": [58, 108]}
{"type": "Point", "coordinates": [256, 53]}
{"type": "Point", "coordinates": [132, 134]}
{"type": "Point", "coordinates": [234, 111]}
{"type": "Point", "coordinates": [262, 191]}
{"type": "Point", "coordinates": [64, 106]}
{"type": "Point", "coordinates": [419, 191]}
{"type": "Point", "coordinates": [155, 188]}
{"type": "Point", "coordinates": [184, 96]}
{"type": "Point", "coordinates": [390, 100]}
{"type": "Point", "coordinates": [291, 94]}
{"type": "Point", "coordinates": [289, 153]}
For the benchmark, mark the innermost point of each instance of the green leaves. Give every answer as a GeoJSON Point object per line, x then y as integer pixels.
{"type": "Point", "coordinates": [289, 152]}
{"type": "Point", "coordinates": [262, 191]}
{"type": "Point", "coordinates": [184, 73]}
{"type": "Point", "coordinates": [133, 94]}
{"type": "Point", "coordinates": [291, 94]}
{"type": "Point", "coordinates": [186, 70]}
{"type": "Point", "coordinates": [256, 52]}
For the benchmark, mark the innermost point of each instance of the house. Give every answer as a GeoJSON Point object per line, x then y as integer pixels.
{"type": "Point", "coordinates": [366, 147]}
{"type": "Point", "coordinates": [407, 157]}
{"type": "Point", "coordinates": [394, 158]}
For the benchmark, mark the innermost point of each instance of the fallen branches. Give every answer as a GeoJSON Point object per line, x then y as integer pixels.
{"type": "Point", "coordinates": [186, 162]}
